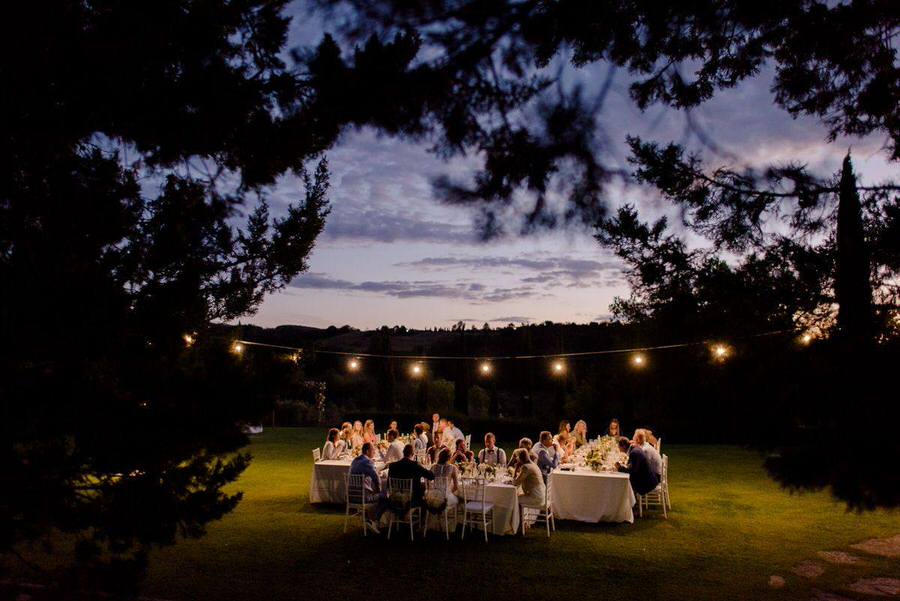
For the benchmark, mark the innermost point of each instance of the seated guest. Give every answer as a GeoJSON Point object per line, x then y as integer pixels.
{"type": "Point", "coordinates": [581, 435]}
{"type": "Point", "coordinates": [444, 469]}
{"type": "Point", "coordinates": [454, 431]}
{"type": "Point", "coordinates": [653, 456]}
{"type": "Point", "coordinates": [548, 453]}
{"type": "Point", "coordinates": [408, 469]}
{"type": "Point", "coordinates": [420, 443]}
{"type": "Point", "coordinates": [566, 444]}
{"type": "Point", "coordinates": [369, 432]}
{"type": "Point", "coordinates": [357, 438]}
{"type": "Point", "coordinates": [436, 448]}
{"type": "Point", "coordinates": [462, 454]}
{"type": "Point", "coordinates": [528, 476]}
{"type": "Point", "coordinates": [345, 440]}
{"type": "Point", "coordinates": [393, 426]}
{"type": "Point", "coordinates": [491, 454]}
{"type": "Point", "coordinates": [330, 450]}
{"type": "Point", "coordinates": [394, 451]}
{"type": "Point", "coordinates": [651, 438]}
{"type": "Point", "coordinates": [365, 465]}
{"type": "Point", "coordinates": [614, 429]}
{"type": "Point", "coordinates": [524, 443]}
{"type": "Point", "coordinates": [643, 480]}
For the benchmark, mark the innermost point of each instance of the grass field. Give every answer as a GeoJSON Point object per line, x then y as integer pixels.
{"type": "Point", "coordinates": [729, 530]}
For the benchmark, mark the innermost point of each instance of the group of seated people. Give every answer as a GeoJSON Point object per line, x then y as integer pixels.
{"type": "Point", "coordinates": [445, 447]}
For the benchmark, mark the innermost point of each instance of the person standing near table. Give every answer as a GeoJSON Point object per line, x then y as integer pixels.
{"type": "Point", "coordinates": [643, 480]}
{"type": "Point", "coordinates": [491, 454]}
{"type": "Point", "coordinates": [435, 428]}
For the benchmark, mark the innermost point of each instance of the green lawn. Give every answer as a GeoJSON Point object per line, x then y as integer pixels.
{"type": "Point", "coordinates": [729, 530]}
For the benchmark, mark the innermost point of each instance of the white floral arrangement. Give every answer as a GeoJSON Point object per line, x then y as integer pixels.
{"type": "Point", "coordinates": [488, 471]}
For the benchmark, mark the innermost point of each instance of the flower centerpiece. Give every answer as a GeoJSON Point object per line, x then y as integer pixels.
{"type": "Point", "coordinates": [595, 459]}
{"type": "Point", "coordinates": [488, 471]}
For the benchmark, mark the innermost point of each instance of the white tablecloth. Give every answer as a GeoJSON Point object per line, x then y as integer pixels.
{"type": "Point", "coordinates": [589, 496]}
{"type": "Point", "coordinates": [327, 486]}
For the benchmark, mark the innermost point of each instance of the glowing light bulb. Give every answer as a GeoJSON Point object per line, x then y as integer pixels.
{"type": "Point", "coordinates": [639, 360]}
{"type": "Point", "coordinates": [238, 348]}
{"type": "Point", "coordinates": [807, 338]}
{"type": "Point", "coordinates": [720, 351]}
{"type": "Point", "coordinates": [353, 364]}
{"type": "Point", "coordinates": [188, 339]}
{"type": "Point", "coordinates": [485, 368]}
{"type": "Point", "coordinates": [416, 370]}
{"type": "Point", "coordinates": [558, 367]}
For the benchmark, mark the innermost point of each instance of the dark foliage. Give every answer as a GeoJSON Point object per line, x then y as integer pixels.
{"type": "Point", "coordinates": [500, 64]}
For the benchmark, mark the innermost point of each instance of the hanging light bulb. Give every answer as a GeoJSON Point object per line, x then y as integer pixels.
{"type": "Point", "coordinates": [485, 368]}
{"type": "Point", "coordinates": [638, 360]}
{"type": "Point", "coordinates": [353, 364]}
{"type": "Point", "coordinates": [720, 352]}
{"type": "Point", "coordinates": [558, 367]}
{"type": "Point", "coordinates": [237, 348]}
{"type": "Point", "coordinates": [416, 370]}
{"type": "Point", "coordinates": [188, 339]}
{"type": "Point", "coordinates": [807, 338]}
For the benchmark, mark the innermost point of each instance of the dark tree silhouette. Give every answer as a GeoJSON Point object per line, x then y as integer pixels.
{"type": "Point", "coordinates": [494, 66]}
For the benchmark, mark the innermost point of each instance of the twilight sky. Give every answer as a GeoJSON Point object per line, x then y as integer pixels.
{"type": "Point", "coordinates": [392, 254]}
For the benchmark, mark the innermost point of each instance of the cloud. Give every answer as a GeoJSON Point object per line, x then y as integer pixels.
{"type": "Point", "coordinates": [416, 289]}
{"type": "Point", "coordinates": [547, 271]}
{"type": "Point", "coordinates": [372, 225]}
{"type": "Point", "coordinates": [512, 319]}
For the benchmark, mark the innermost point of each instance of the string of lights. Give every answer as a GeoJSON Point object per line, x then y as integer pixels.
{"type": "Point", "coordinates": [719, 351]}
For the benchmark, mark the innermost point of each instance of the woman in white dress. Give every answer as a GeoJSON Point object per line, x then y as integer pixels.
{"type": "Point", "coordinates": [331, 450]}
{"type": "Point", "coordinates": [444, 469]}
{"type": "Point", "coordinates": [530, 479]}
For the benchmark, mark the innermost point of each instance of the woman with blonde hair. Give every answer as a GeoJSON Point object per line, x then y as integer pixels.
{"type": "Point", "coordinates": [369, 432]}
{"type": "Point", "coordinates": [581, 434]}
{"type": "Point", "coordinates": [565, 441]}
{"type": "Point", "coordinates": [357, 439]}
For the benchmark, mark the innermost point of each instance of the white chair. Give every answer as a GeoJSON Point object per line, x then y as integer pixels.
{"type": "Point", "coordinates": [476, 511]}
{"type": "Point", "coordinates": [355, 487]}
{"type": "Point", "coordinates": [657, 496]}
{"type": "Point", "coordinates": [400, 497]}
{"type": "Point", "coordinates": [317, 455]}
{"type": "Point", "coordinates": [665, 480]}
{"type": "Point", "coordinates": [659, 445]}
{"type": "Point", "coordinates": [469, 441]}
{"type": "Point", "coordinates": [544, 512]}
{"type": "Point", "coordinates": [441, 485]}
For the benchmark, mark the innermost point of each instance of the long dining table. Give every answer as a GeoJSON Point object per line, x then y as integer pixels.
{"type": "Point", "coordinates": [587, 496]}
{"type": "Point", "coordinates": [328, 486]}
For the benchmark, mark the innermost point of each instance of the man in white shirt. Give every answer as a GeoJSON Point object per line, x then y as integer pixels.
{"type": "Point", "coordinates": [491, 454]}
{"type": "Point", "coordinates": [395, 448]}
{"type": "Point", "coordinates": [653, 456]}
{"type": "Point", "coordinates": [454, 431]}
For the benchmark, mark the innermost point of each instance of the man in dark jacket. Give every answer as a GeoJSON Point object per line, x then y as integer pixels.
{"type": "Point", "coordinates": [643, 480]}
{"type": "Point", "coordinates": [407, 469]}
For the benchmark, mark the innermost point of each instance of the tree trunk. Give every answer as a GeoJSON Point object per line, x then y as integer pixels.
{"type": "Point", "coordinates": [852, 286]}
